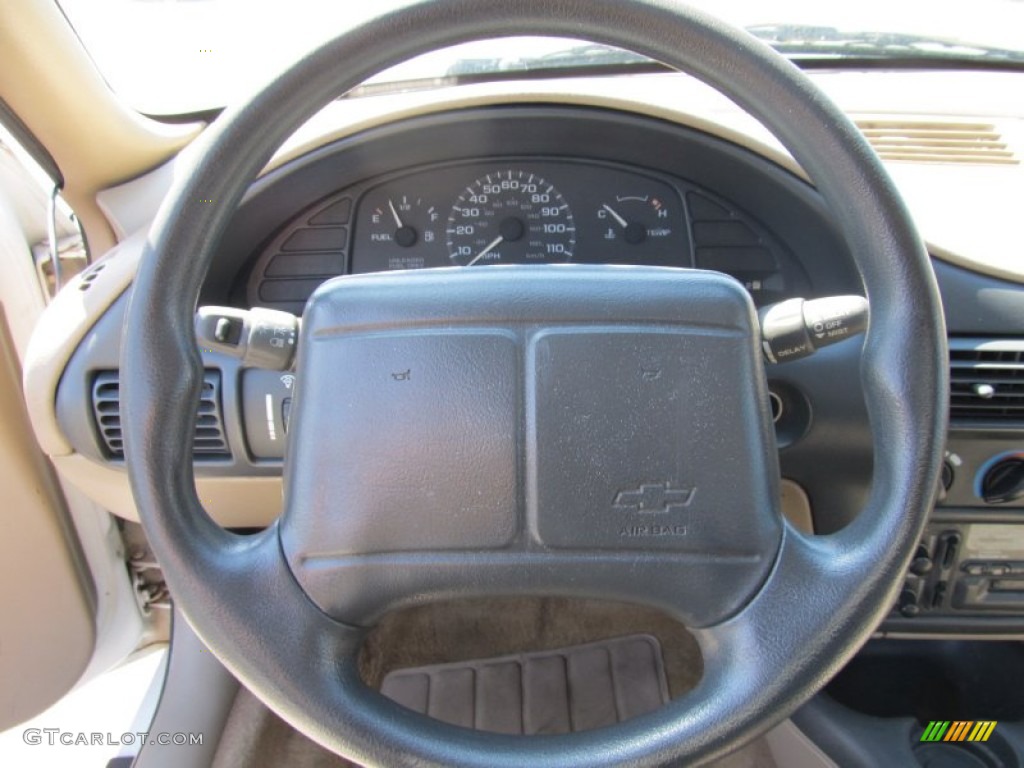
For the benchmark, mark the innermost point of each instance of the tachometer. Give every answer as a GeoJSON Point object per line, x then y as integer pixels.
{"type": "Point", "coordinates": [510, 217]}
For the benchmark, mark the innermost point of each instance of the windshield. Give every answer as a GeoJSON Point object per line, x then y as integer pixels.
{"type": "Point", "coordinates": [184, 56]}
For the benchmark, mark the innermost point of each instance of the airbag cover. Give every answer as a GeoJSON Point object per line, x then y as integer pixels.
{"type": "Point", "coordinates": [597, 431]}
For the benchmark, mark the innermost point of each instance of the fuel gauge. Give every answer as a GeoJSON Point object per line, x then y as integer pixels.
{"type": "Point", "coordinates": [395, 230]}
{"type": "Point", "coordinates": [403, 221]}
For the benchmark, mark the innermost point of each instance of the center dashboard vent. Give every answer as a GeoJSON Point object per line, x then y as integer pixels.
{"type": "Point", "coordinates": [927, 141]}
{"type": "Point", "coordinates": [209, 439]}
{"type": "Point", "coordinates": [987, 380]}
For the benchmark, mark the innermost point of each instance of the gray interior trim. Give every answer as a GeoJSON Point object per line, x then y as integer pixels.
{"type": "Point", "coordinates": [791, 748]}
{"type": "Point", "coordinates": [197, 696]}
{"type": "Point", "coordinates": [147, 709]}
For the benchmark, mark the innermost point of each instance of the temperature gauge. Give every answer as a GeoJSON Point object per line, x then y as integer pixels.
{"type": "Point", "coordinates": [638, 219]}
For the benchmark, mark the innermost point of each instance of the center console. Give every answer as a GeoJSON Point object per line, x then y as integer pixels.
{"type": "Point", "coordinates": [967, 575]}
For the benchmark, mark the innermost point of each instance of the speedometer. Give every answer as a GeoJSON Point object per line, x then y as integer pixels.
{"type": "Point", "coordinates": [510, 217]}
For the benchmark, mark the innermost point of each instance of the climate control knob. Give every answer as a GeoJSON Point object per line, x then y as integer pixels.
{"type": "Point", "coordinates": [1004, 481]}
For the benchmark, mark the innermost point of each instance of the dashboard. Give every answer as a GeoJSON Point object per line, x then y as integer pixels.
{"type": "Point", "coordinates": [475, 187]}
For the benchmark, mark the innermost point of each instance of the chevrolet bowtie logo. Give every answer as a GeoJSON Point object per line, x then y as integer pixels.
{"type": "Point", "coordinates": [654, 499]}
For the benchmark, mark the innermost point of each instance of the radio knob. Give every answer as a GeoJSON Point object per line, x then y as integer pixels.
{"type": "Point", "coordinates": [920, 566]}
{"type": "Point", "coordinates": [1004, 481]}
{"type": "Point", "coordinates": [908, 602]}
{"type": "Point", "coordinates": [922, 562]}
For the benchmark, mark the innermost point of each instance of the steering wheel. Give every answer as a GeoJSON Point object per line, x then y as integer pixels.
{"type": "Point", "coordinates": [525, 390]}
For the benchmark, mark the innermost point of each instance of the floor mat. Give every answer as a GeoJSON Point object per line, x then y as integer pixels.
{"type": "Point", "coordinates": [558, 691]}
{"type": "Point", "coordinates": [449, 632]}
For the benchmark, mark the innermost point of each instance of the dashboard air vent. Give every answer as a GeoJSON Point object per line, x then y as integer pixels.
{"type": "Point", "coordinates": [987, 380]}
{"type": "Point", "coordinates": [209, 440]}
{"type": "Point", "coordinates": [925, 141]}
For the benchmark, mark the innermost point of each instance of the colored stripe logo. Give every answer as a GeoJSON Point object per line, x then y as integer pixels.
{"type": "Point", "coordinates": [959, 730]}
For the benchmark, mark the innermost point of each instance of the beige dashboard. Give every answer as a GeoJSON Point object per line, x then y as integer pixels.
{"type": "Point", "coordinates": [960, 172]}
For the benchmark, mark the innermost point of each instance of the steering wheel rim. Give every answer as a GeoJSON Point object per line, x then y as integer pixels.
{"type": "Point", "coordinates": [762, 662]}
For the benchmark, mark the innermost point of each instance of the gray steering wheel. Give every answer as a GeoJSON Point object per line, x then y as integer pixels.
{"type": "Point", "coordinates": [776, 612]}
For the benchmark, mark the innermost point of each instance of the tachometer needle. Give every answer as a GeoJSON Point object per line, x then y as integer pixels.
{"type": "Point", "coordinates": [622, 222]}
{"type": "Point", "coordinates": [398, 221]}
{"type": "Point", "coordinates": [490, 247]}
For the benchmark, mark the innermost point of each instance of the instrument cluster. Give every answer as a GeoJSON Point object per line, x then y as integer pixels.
{"type": "Point", "coordinates": [519, 213]}
{"type": "Point", "coordinates": [525, 210]}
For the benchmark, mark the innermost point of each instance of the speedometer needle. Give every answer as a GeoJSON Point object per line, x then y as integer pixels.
{"type": "Point", "coordinates": [622, 222]}
{"type": "Point", "coordinates": [398, 221]}
{"type": "Point", "coordinates": [490, 247]}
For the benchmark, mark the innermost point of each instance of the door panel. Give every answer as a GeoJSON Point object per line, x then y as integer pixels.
{"type": "Point", "coordinates": [47, 603]}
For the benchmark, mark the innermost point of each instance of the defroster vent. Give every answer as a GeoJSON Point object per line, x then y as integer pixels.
{"type": "Point", "coordinates": [987, 380]}
{"type": "Point", "coordinates": [938, 141]}
{"type": "Point", "coordinates": [209, 439]}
